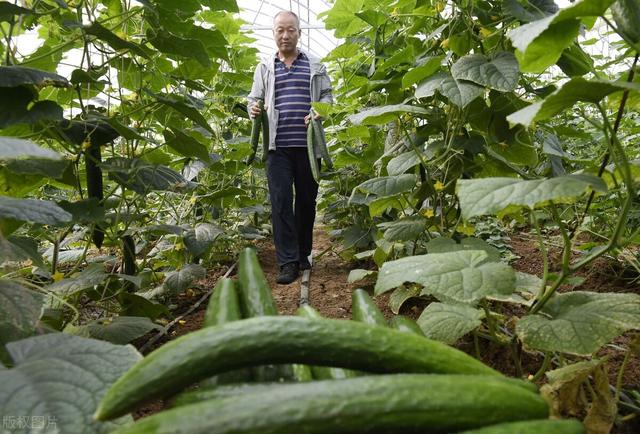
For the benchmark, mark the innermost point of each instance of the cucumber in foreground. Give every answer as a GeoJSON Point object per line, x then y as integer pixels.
{"type": "Point", "coordinates": [547, 426]}
{"type": "Point", "coordinates": [253, 289]}
{"type": "Point", "coordinates": [364, 309]}
{"type": "Point", "coordinates": [405, 324]}
{"type": "Point", "coordinates": [394, 403]}
{"type": "Point", "coordinates": [280, 339]}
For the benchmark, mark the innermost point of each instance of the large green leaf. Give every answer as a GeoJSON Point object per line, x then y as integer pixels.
{"type": "Point", "coordinates": [342, 17]}
{"type": "Point", "coordinates": [626, 14]}
{"type": "Point", "coordinates": [186, 145]}
{"type": "Point", "coordinates": [403, 162]}
{"type": "Point", "coordinates": [19, 248]}
{"type": "Point", "coordinates": [221, 5]}
{"type": "Point", "coordinates": [531, 10]}
{"type": "Point", "coordinates": [580, 322]}
{"type": "Point", "coordinates": [9, 10]}
{"type": "Point", "coordinates": [99, 31]}
{"type": "Point", "coordinates": [491, 196]}
{"type": "Point", "coordinates": [463, 276]}
{"type": "Point", "coordinates": [119, 330]}
{"type": "Point", "coordinates": [424, 69]}
{"type": "Point", "coordinates": [12, 148]}
{"type": "Point", "coordinates": [384, 186]}
{"type": "Point", "coordinates": [54, 169]}
{"type": "Point", "coordinates": [20, 310]}
{"type": "Point", "coordinates": [178, 281]}
{"type": "Point", "coordinates": [460, 93]}
{"type": "Point", "coordinates": [385, 114]}
{"type": "Point", "coordinates": [408, 228]}
{"type": "Point", "coordinates": [91, 276]}
{"type": "Point", "coordinates": [141, 177]}
{"type": "Point", "coordinates": [13, 76]}
{"type": "Point", "coordinates": [199, 239]}
{"type": "Point", "coordinates": [500, 71]}
{"type": "Point", "coordinates": [446, 245]}
{"type": "Point", "coordinates": [33, 211]}
{"type": "Point", "coordinates": [169, 43]}
{"type": "Point", "coordinates": [577, 89]}
{"type": "Point", "coordinates": [449, 322]}
{"type": "Point", "coordinates": [186, 106]}
{"type": "Point", "coordinates": [547, 37]}
{"type": "Point", "coordinates": [59, 379]}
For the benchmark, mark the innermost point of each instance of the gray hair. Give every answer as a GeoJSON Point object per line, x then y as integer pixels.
{"type": "Point", "coordinates": [293, 14]}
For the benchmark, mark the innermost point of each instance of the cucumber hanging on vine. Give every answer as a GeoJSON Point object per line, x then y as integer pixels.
{"type": "Point", "coordinates": [129, 256]}
{"type": "Point", "coordinates": [92, 160]}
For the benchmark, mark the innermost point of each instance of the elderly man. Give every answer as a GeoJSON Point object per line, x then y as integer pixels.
{"type": "Point", "coordinates": [288, 82]}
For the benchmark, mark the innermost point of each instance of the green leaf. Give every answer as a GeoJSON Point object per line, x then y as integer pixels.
{"type": "Point", "coordinates": [221, 5]}
{"type": "Point", "coordinates": [385, 186]}
{"type": "Point", "coordinates": [213, 41]}
{"type": "Point", "coordinates": [378, 206]}
{"type": "Point", "coordinates": [426, 67]}
{"type": "Point", "coordinates": [530, 11]}
{"type": "Point", "coordinates": [385, 114]}
{"type": "Point", "coordinates": [185, 106]}
{"type": "Point", "coordinates": [13, 76]}
{"type": "Point", "coordinates": [400, 295]}
{"type": "Point", "coordinates": [17, 248]}
{"type": "Point", "coordinates": [9, 10]}
{"type": "Point", "coordinates": [186, 145]}
{"type": "Point", "coordinates": [403, 162]}
{"type": "Point", "coordinates": [547, 37]}
{"type": "Point", "coordinates": [119, 330]}
{"type": "Point", "coordinates": [141, 177]}
{"type": "Point", "coordinates": [491, 196]}
{"type": "Point", "coordinates": [577, 89]}
{"type": "Point", "coordinates": [447, 245]}
{"type": "Point", "coordinates": [580, 322]}
{"type": "Point", "coordinates": [342, 17]}
{"type": "Point", "coordinates": [460, 93]}
{"type": "Point", "coordinates": [201, 238]}
{"type": "Point", "coordinates": [626, 14]}
{"type": "Point", "coordinates": [54, 169]}
{"type": "Point", "coordinates": [61, 378]}
{"type": "Point", "coordinates": [405, 229]}
{"type": "Point", "coordinates": [499, 72]}
{"type": "Point", "coordinates": [449, 322]}
{"type": "Point", "coordinates": [359, 274]}
{"type": "Point", "coordinates": [12, 148]}
{"type": "Point", "coordinates": [88, 278]}
{"type": "Point", "coordinates": [178, 281]}
{"type": "Point", "coordinates": [20, 310]}
{"type": "Point", "coordinates": [169, 43]}
{"type": "Point", "coordinates": [84, 211]}
{"type": "Point", "coordinates": [117, 43]}
{"type": "Point", "coordinates": [33, 211]}
{"type": "Point", "coordinates": [462, 277]}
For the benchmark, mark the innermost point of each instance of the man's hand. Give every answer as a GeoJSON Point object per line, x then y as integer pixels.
{"type": "Point", "coordinates": [307, 118]}
{"type": "Point", "coordinates": [254, 110]}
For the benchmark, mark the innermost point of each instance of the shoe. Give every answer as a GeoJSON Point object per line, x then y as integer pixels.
{"type": "Point", "coordinates": [288, 273]}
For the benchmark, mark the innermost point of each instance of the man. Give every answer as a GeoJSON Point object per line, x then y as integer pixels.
{"type": "Point", "coordinates": [288, 82]}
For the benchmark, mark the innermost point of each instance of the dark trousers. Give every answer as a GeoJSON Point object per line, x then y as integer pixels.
{"type": "Point", "coordinates": [292, 223]}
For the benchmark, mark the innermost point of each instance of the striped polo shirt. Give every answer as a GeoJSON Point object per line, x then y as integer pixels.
{"type": "Point", "coordinates": [293, 100]}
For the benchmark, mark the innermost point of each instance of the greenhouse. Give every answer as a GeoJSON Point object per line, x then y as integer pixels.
{"type": "Point", "coordinates": [320, 216]}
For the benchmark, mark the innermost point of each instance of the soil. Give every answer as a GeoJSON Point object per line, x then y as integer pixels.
{"type": "Point", "coordinates": [330, 294]}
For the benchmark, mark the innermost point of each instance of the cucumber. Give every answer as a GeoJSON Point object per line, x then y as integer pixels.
{"type": "Point", "coordinates": [363, 309]}
{"type": "Point", "coordinates": [223, 305]}
{"type": "Point", "coordinates": [324, 372]}
{"type": "Point", "coordinates": [386, 403]}
{"type": "Point", "coordinates": [129, 255]}
{"type": "Point", "coordinates": [92, 159]}
{"type": "Point", "coordinates": [280, 339]}
{"type": "Point", "coordinates": [548, 426]}
{"type": "Point", "coordinates": [626, 14]}
{"type": "Point", "coordinates": [320, 142]}
{"type": "Point", "coordinates": [265, 135]}
{"type": "Point", "coordinates": [405, 324]}
{"type": "Point", "coordinates": [254, 292]}
{"type": "Point", "coordinates": [311, 152]}
{"type": "Point", "coordinates": [208, 393]}
{"type": "Point", "coordinates": [256, 126]}
{"type": "Point", "coordinates": [574, 61]}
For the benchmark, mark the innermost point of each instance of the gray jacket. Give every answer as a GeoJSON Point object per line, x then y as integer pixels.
{"type": "Point", "coordinates": [264, 89]}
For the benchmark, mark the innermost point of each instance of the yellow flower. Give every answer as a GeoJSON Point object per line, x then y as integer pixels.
{"type": "Point", "coordinates": [394, 12]}
{"type": "Point", "coordinates": [440, 6]}
{"type": "Point", "coordinates": [439, 186]}
{"type": "Point", "coordinates": [182, 322]}
{"type": "Point", "coordinates": [485, 33]}
{"type": "Point", "coordinates": [428, 213]}
{"type": "Point", "coordinates": [57, 276]}
{"type": "Point", "coordinates": [445, 44]}
{"type": "Point", "coordinates": [86, 143]}
{"type": "Point", "coordinates": [467, 230]}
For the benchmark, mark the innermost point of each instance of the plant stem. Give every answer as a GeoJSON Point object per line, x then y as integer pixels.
{"type": "Point", "coordinates": [543, 368]}
{"type": "Point", "coordinates": [623, 367]}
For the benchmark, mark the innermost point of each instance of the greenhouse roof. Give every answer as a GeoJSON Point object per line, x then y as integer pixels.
{"type": "Point", "coordinates": [259, 17]}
